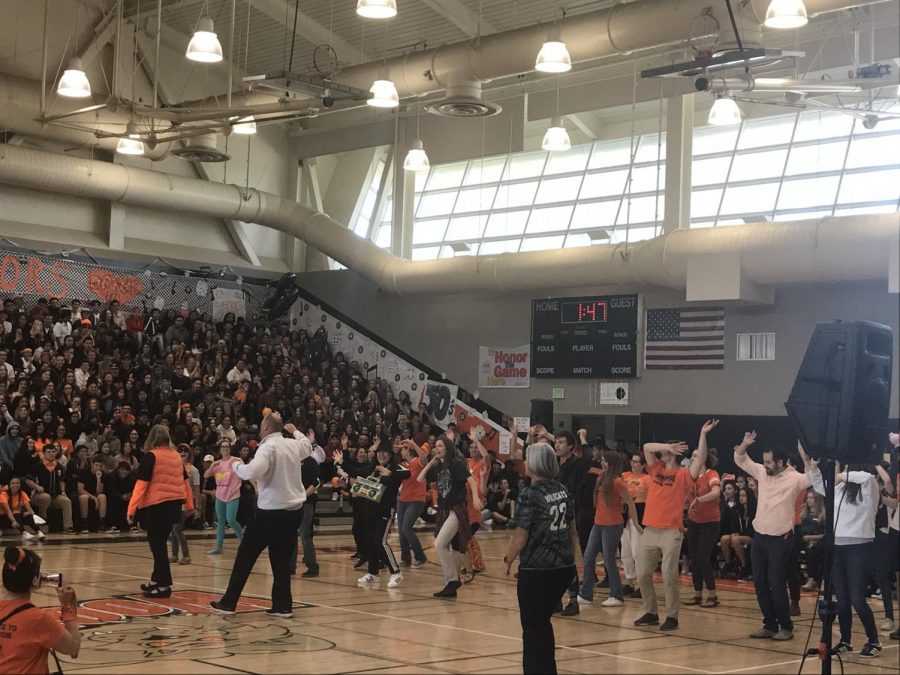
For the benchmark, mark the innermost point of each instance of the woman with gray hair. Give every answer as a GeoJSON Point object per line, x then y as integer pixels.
{"type": "Point", "coordinates": [545, 541]}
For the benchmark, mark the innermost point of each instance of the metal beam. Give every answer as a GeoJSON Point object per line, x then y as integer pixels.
{"type": "Point", "coordinates": [310, 30]}
{"type": "Point", "coordinates": [457, 13]}
{"type": "Point", "coordinates": [104, 31]}
{"type": "Point", "coordinates": [589, 127]}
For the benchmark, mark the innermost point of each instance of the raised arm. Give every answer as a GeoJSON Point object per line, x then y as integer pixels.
{"type": "Point", "coordinates": [423, 476]}
{"type": "Point", "coordinates": [650, 450]}
{"type": "Point", "coordinates": [698, 461]}
{"type": "Point", "coordinates": [257, 467]}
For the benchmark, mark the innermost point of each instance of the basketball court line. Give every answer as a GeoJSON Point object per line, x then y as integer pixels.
{"type": "Point", "coordinates": [456, 628]}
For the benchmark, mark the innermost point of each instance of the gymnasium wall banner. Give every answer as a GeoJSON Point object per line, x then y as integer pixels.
{"type": "Point", "coordinates": [227, 300]}
{"type": "Point", "coordinates": [440, 398]}
{"type": "Point", "coordinates": [504, 367]}
{"type": "Point", "coordinates": [39, 276]}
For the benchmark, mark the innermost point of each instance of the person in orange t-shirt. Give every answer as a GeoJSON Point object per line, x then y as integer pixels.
{"type": "Point", "coordinates": [704, 516]}
{"type": "Point", "coordinates": [411, 503]}
{"type": "Point", "coordinates": [28, 633]}
{"type": "Point", "coordinates": [610, 495]}
{"type": "Point", "coordinates": [637, 482]}
{"type": "Point", "coordinates": [663, 521]}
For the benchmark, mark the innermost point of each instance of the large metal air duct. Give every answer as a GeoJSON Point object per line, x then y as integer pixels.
{"type": "Point", "coordinates": [851, 248]}
{"type": "Point", "coordinates": [615, 31]}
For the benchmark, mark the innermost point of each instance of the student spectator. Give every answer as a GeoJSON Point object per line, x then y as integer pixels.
{"type": "Point", "coordinates": [738, 531]}
{"type": "Point", "coordinates": [118, 487]}
{"type": "Point", "coordinates": [228, 494]}
{"type": "Point", "coordinates": [663, 523]}
{"type": "Point", "coordinates": [478, 469]}
{"type": "Point", "coordinates": [812, 532]}
{"type": "Point", "coordinates": [886, 544]}
{"type": "Point", "coordinates": [178, 539]}
{"type": "Point", "coordinates": [703, 530]}
{"type": "Point", "coordinates": [15, 511]}
{"type": "Point", "coordinates": [501, 504]}
{"type": "Point", "coordinates": [47, 481]}
{"type": "Point", "coordinates": [309, 477]}
{"type": "Point", "coordinates": [91, 496]}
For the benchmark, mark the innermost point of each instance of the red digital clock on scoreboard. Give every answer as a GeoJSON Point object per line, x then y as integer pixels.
{"type": "Point", "coordinates": [589, 311]}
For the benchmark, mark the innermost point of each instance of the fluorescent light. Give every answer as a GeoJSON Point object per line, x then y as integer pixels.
{"type": "Point", "coordinates": [724, 111]}
{"type": "Point", "coordinates": [204, 47]}
{"type": "Point", "coordinates": [786, 14]}
{"type": "Point", "coordinates": [245, 126]}
{"type": "Point", "coordinates": [416, 159]}
{"type": "Point", "coordinates": [557, 138]}
{"type": "Point", "coordinates": [74, 83]}
{"type": "Point", "coordinates": [131, 144]}
{"type": "Point", "coordinates": [377, 9]}
{"type": "Point", "coordinates": [384, 95]}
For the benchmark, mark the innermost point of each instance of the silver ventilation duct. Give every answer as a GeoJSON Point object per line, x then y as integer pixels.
{"type": "Point", "coordinates": [850, 248]}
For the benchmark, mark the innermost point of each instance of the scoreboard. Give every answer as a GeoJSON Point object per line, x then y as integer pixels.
{"type": "Point", "coordinates": [591, 337]}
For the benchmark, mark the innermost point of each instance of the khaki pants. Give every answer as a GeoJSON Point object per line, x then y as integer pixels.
{"type": "Point", "coordinates": [655, 542]}
{"type": "Point", "coordinates": [43, 501]}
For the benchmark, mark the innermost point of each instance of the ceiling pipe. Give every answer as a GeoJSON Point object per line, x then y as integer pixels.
{"type": "Point", "coordinates": [850, 248]}
{"type": "Point", "coordinates": [615, 31]}
{"type": "Point", "coordinates": [724, 85]}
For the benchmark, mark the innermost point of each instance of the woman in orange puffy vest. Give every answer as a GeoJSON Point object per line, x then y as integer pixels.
{"type": "Point", "coordinates": [161, 493]}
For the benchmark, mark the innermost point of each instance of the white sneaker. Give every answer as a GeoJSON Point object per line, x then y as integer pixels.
{"type": "Point", "coordinates": [40, 534]}
{"type": "Point", "coordinates": [367, 579]}
{"type": "Point", "coordinates": [395, 580]}
{"type": "Point", "coordinates": [887, 626]}
{"type": "Point", "coordinates": [584, 601]}
{"type": "Point", "coordinates": [612, 602]}
{"type": "Point", "coordinates": [27, 535]}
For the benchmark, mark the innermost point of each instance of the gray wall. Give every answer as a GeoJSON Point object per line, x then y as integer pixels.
{"type": "Point", "coordinates": [445, 332]}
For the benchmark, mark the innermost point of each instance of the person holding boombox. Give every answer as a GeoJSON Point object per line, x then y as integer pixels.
{"type": "Point", "coordinates": [377, 485]}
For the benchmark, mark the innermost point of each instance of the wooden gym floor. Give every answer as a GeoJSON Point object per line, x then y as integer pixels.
{"type": "Point", "coordinates": [341, 628]}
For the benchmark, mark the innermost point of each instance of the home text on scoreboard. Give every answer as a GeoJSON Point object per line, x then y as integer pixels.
{"type": "Point", "coordinates": [590, 337]}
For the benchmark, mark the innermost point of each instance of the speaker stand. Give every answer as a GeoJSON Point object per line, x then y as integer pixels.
{"type": "Point", "coordinates": [827, 607]}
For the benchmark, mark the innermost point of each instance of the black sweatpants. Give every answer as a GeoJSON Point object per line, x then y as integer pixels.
{"type": "Point", "coordinates": [702, 539]}
{"type": "Point", "coordinates": [158, 521]}
{"type": "Point", "coordinates": [359, 529]}
{"type": "Point", "coordinates": [277, 531]}
{"type": "Point", "coordinates": [538, 592]}
{"type": "Point", "coordinates": [377, 526]}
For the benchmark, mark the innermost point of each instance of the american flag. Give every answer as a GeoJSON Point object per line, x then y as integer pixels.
{"type": "Point", "coordinates": [685, 339]}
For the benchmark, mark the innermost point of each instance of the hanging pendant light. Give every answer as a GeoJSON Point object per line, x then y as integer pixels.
{"type": "Point", "coordinates": [416, 159]}
{"type": "Point", "coordinates": [384, 95]}
{"type": "Point", "coordinates": [724, 111]}
{"type": "Point", "coordinates": [554, 56]}
{"type": "Point", "coordinates": [245, 126]}
{"type": "Point", "coordinates": [557, 138]}
{"type": "Point", "coordinates": [204, 47]}
{"type": "Point", "coordinates": [377, 9]}
{"type": "Point", "coordinates": [74, 83]}
{"type": "Point", "coordinates": [786, 14]}
{"type": "Point", "coordinates": [131, 144]}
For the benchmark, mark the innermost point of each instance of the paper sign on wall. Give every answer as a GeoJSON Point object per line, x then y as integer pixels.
{"type": "Point", "coordinates": [228, 300]}
{"type": "Point", "coordinates": [508, 367]}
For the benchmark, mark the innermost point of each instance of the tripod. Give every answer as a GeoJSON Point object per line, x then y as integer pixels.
{"type": "Point", "coordinates": [827, 606]}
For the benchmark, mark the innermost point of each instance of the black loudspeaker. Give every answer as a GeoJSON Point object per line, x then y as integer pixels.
{"type": "Point", "coordinates": [841, 397]}
{"type": "Point", "coordinates": [542, 413]}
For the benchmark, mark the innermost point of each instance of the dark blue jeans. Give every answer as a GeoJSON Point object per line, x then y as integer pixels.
{"type": "Point", "coordinates": [885, 567]}
{"type": "Point", "coordinates": [407, 514]}
{"type": "Point", "coordinates": [851, 569]}
{"type": "Point", "coordinates": [770, 557]}
{"type": "Point", "coordinates": [605, 539]}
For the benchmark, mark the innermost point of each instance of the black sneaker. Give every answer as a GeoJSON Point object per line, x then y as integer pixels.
{"type": "Point", "coordinates": [558, 607]}
{"type": "Point", "coordinates": [219, 608]}
{"type": "Point", "coordinates": [149, 587]}
{"type": "Point", "coordinates": [895, 634]}
{"type": "Point", "coordinates": [360, 563]}
{"type": "Point", "coordinates": [355, 556]}
{"type": "Point", "coordinates": [647, 620]}
{"type": "Point", "coordinates": [841, 648]}
{"type": "Point", "coordinates": [870, 650]}
{"type": "Point", "coordinates": [282, 614]}
{"type": "Point", "coordinates": [636, 594]}
{"type": "Point", "coordinates": [158, 593]}
{"type": "Point", "coordinates": [671, 623]}
{"type": "Point", "coordinates": [448, 591]}
{"type": "Point", "coordinates": [310, 573]}
{"type": "Point", "coordinates": [627, 589]}
{"type": "Point", "coordinates": [571, 609]}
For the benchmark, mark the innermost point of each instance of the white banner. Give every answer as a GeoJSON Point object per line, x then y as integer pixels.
{"type": "Point", "coordinates": [228, 300]}
{"type": "Point", "coordinates": [507, 367]}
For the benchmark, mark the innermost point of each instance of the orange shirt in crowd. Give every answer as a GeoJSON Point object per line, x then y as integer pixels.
{"type": "Point", "coordinates": [610, 513]}
{"type": "Point", "coordinates": [411, 490]}
{"type": "Point", "coordinates": [15, 502]}
{"type": "Point", "coordinates": [66, 446]}
{"type": "Point", "coordinates": [798, 508]}
{"type": "Point", "coordinates": [668, 491]}
{"type": "Point", "coordinates": [476, 469]}
{"type": "Point", "coordinates": [637, 485]}
{"type": "Point", "coordinates": [27, 637]}
{"type": "Point", "coordinates": [705, 512]}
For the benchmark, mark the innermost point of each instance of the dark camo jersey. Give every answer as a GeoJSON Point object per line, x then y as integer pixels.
{"type": "Point", "coordinates": [546, 511]}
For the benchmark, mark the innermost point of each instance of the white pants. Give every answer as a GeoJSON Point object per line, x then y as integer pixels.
{"type": "Point", "coordinates": [630, 540]}
{"type": "Point", "coordinates": [444, 548]}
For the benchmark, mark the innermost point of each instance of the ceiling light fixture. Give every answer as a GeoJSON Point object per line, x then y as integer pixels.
{"type": "Point", "coordinates": [130, 144]}
{"type": "Point", "coordinates": [554, 56]}
{"type": "Point", "coordinates": [384, 94]}
{"type": "Point", "coordinates": [74, 82]}
{"type": "Point", "coordinates": [376, 9]}
{"type": "Point", "coordinates": [724, 111]}
{"type": "Point", "coordinates": [783, 14]}
{"type": "Point", "coordinates": [557, 138]}
{"type": "Point", "coordinates": [416, 159]}
{"type": "Point", "coordinates": [204, 47]}
{"type": "Point", "coordinates": [245, 126]}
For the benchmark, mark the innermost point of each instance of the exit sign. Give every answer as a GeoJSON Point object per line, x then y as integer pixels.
{"type": "Point", "coordinates": [558, 393]}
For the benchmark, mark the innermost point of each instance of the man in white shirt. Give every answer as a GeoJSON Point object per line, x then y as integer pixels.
{"type": "Point", "coordinates": [276, 469]}
{"type": "Point", "coordinates": [239, 373]}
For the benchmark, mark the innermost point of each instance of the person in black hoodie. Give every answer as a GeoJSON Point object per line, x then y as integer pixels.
{"type": "Point", "coordinates": [47, 478]}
